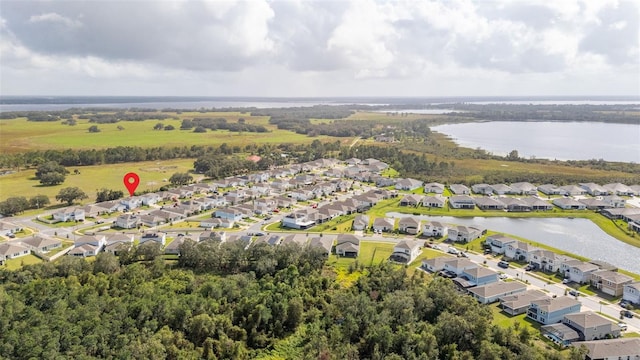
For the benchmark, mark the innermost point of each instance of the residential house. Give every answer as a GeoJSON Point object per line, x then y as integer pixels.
{"type": "Point", "coordinates": [97, 241]}
{"type": "Point", "coordinates": [411, 200]}
{"type": "Point", "coordinates": [12, 250]}
{"type": "Point", "coordinates": [502, 189]}
{"type": "Point", "coordinates": [499, 243]}
{"type": "Point", "coordinates": [8, 228]}
{"type": "Point", "coordinates": [459, 189]}
{"type": "Point", "coordinates": [479, 276]}
{"type": "Point", "coordinates": [433, 187]}
{"type": "Point", "coordinates": [298, 239]}
{"type": "Point", "coordinates": [458, 265]}
{"type": "Point", "coordinates": [174, 247]}
{"type": "Point", "coordinates": [464, 234]}
{"type": "Point", "coordinates": [461, 202]}
{"type": "Point", "coordinates": [547, 260]}
{"type": "Point", "coordinates": [482, 189]}
{"type": "Point", "coordinates": [127, 221]}
{"type": "Point", "coordinates": [591, 326]}
{"type": "Point", "coordinates": [220, 236]}
{"type": "Point", "coordinates": [515, 205]}
{"type": "Point", "coordinates": [132, 202]}
{"type": "Point", "coordinates": [325, 243]}
{"type": "Point", "coordinates": [434, 229]}
{"type": "Point", "coordinates": [611, 349]}
{"type": "Point", "coordinates": [490, 293]}
{"type": "Point", "coordinates": [383, 224]}
{"type": "Point", "coordinates": [118, 242]}
{"type": "Point", "coordinates": [537, 204]}
{"type": "Point", "coordinates": [568, 204]}
{"type": "Point", "coordinates": [298, 220]}
{"type": "Point", "coordinates": [151, 220]}
{"type": "Point", "coordinates": [166, 215]}
{"type": "Point", "coordinates": [519, 251]}
{"type": "Point", "coordinates": [41, 243]}
{"type": "Point", "coordinates": [434, 201]}
{"type": "Point", "coordinates": [519, 303]}
{"type": "Point", "coordinates": [594, 189]}
{"type": "Point", "coordinates": [409, 225]}
{"type": "Point", "coordinates": [487, 203]}
{"type": "Point", "coordinates": [347, 245]}
{"type": "Point", "coordinates": [594, 203]}
{"type": "Point", "coordinates": [631, 292]}
{"type": "Point", "coordinates": [524, 188]}
{"type": "Point", "coordinates": [436, 264]}
{"type": "Point", "coordinates": [552, 310]}
{"type": "Point", "coordinates": [550, 189]}
{"type": "Point", "coordinates": [408, 184]}
{"type": "Point", "coordinates": [229, 214]}
{"type": "Point", "coordinates": [580, 272]}
{"type": "Point", "coordinates": [158, 237]}
{"type": "Point", "coordinates": [85, 250]}
{"type": "Point", "coordinates": [150, 199]}
{"type": "Point", "coordinates": [406, 251]}
{"type": "Point", "coordinates": [360, 222]}
{"type": "Point", "coordinates": [614, 201]}
{"type": "Point", "coordinates": [69, 214]}
{"type": "Point", "coordinates": [619, 189]}
{"type": "Point", "coordinates": [610, 282]}
{"type": "Point", "coordinates": [571, 190]}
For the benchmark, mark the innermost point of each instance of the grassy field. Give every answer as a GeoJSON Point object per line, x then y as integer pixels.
{"type": "Point", "coordinates": [91, 178]}
{"type": "Point", "coordinates": [14, 264]}
{"type": "Point", "coordinates": [20, 135]}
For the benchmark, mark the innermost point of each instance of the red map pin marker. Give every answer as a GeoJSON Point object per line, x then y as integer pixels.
{"type": "Point", "coordinates": [131, 181]}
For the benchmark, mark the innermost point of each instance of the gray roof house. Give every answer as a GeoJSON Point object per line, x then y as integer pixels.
{"type": "Point", "coordinates": [462, 202]}
{"type": "Point", "coordinates": [459, 189]}
{"type": "Point", "coordinates": [611, 349]}
{"type": "Point", "coordinates": [408, 184]}
{"type": "Point", "coordinates": [347, 245]}
{"type": "Point", "coordinates": [360, 222]}
{"type": "Point", "coordinates": [383, 224]}
{"type": "Point", "coordinates": [434, 187]}
{"type": "Point", "coordinates": [409, 225]}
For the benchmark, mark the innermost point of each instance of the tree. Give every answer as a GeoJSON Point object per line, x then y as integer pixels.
{"type": "Point", "coordinates": [51, 173]}
{"type": "Point", "coordinates": [108, 195]}
{"type": "Point", "coordinates": [94, 129]}
{"type": "Point", "coordinates": [180, 179]}
{"type": "Point", "coordinates": [38, 201]}
{"type": "Point", "coordinates": [14, 205]}
{"type": "Point", "coordinates": [158, 126]}
{"type": "Point", "coordinates": [200, 129]}
{"type": "Point", "coordinates": [513, 155]}
{"type": "Point", "coordinates": [71, 194]}
{"type": "Point", "coordinates": [169, 127]}
{"type": "Point", "coordinates": [106, 263]}
{"type": "Point", "coordinates": [120, 127]}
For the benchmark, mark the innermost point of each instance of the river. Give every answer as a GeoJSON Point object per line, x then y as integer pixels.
{"type": "Point", "coordinates": [577, 236]}
{"type": "Point", "coordinates": [550, 140]}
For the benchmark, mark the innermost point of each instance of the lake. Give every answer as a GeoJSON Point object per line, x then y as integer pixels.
{"type": "Point", "coordinates": [577, 236]}
{"type": "Point", "coordinates": [550, 140]}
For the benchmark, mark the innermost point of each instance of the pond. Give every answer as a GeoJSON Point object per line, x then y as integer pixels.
{"type": "Point", "coordinates": [578, 236]}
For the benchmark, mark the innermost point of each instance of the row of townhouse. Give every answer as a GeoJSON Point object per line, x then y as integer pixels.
{"type": "Point", "coordinates": [92, 245]}
{"type": "Point", "coordinates": [601, 276]}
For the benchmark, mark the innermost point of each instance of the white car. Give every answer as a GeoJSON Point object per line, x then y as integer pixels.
{"type": "Point", "coordinates": [623, 326]}
{"type": "Point", "coordinates": [503, 276]}
{"type": "Point", "coordinates": [452, 250]}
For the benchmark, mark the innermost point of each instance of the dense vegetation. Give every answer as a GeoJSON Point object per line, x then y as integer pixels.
{"type": "Point", "coordinates": [276, 302]}
{"type": "Point", "coordinates": [221, 124]}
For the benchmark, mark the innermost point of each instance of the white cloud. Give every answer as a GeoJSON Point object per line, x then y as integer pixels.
{"type": "Point", "coordinates": [55, 18]}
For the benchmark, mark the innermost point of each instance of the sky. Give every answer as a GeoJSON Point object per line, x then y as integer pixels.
{"type": "Point", "coordinates": [299, 48]}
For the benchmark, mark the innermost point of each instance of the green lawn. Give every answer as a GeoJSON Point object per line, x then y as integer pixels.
{"type": "Point", "coordinates": [14, 264]}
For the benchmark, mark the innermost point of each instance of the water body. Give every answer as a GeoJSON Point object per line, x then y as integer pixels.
{"type": "Point", "coordinates": [550, 140]}
{"type": "Point", "coordinates": [421, 111]}
{"type": "Point", "coordinates": [577, 236]}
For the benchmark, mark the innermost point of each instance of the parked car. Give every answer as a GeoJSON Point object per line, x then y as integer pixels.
{"type": "Point", "coordinates": [627, 313]}
{"type": "Point", "coordinates": [463, 254]}
{"type": "Point", "coordinates": [566, 281]}
{"type": "Point", "coordinates": [503, 276]}
{"type": "Point", "coordinates": [503, 264]}
{"type": "Point", "coordinates": [452, 250]}
{"type": "Point", "coordinates": [487, 251]}
{"type": "Point", "coordinates": [529, 267]}
{"type": "Point", "coordinates": [623, 326]}
{"type": "Point", "coordinates": [574, 293]}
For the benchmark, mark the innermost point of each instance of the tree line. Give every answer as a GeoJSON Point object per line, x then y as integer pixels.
{"type": "Point", "coordinates": [149, 309]}
{"type": "Point", "coordinates": [220, 124]}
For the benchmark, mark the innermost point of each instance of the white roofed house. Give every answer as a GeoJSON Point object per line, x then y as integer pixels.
{"type": "Point", "coordinates": [547, 260]}
{"type": "Point", "coordinates": [459, 189]}
{"type": "Point", "coordinates": [360, 222]}
{"type": "Point", "coordinates": [12, 250]}
{"type": "Point", "coordinates": [229, 214]}
{"type": "Point", "coordinates": [88, 245]}
{"type": "Point", "coordinates": [298, 220]}
{"type": "Point", "coordinates": [550, 189]}
{"type": "Point", "coordinates": [515, 205]}
{"type": "Point", "coordinates": [150, 199]}
{"type": "Point", "coordinates": [620, 189]}
{"type": "Point", "coordinates": [502, 189]}
{"type": "Point", "coordinates": [434, 229]}
{"type": "Point", "coordinates": [571, 190]}
{"type": "Point", "coordinates": [127, 221]}
{"type": "Point", "coordinates": [464, 234]}
{"type": "Point", "coordinates": [69, 214]}
{"type": "Point", "coordinates": [433, 187]}
{"type": "Point", "coordinates": [41, 243]}
{"type": "Point", "coordinates": [519, 251]}
{"type": "Point", "coordinates": [552, 310]}
{"type": "Point", "coordinates": [411, 200]}
{"type": "Point", "coordinates": [433, 201]}
{"type": "Point", "coordinates": [408, 184]}
{"type": "Point", "coordinates": [614, 201]}
{"type": "Point", "coordinates": [383, 224]}
{"type": "Point", "coordinates": [406, 251]}
{"type": "Point", "coordinates": [580, 272]}
{"type": "Point", "coordinates": [568, 204]}
{"type": "Point", "coordinates": [631, 292]}
{"type": "Point", "coordinates": [594, 189]}
{"type": "Point", "coordinates": [118, 242]}
{"type": "Point", "coordinates": [489, 293]}
{"type": "Point", "coordinates": [499, 243]}
{"type": "Point", "coordinates": [462, 202]}
{"type": "Point", "coordinates": [132, 202]}
{"type": "Point", "coordinates": [436, 264]}
{"type": "Point", "coordinates": [482, 189]}
{"type": "Point", "coordinates": [524, 188]}
{"type": "Point", "coordinates": [409, 225]}
{"type": "Point", "coordinates": [537, 204]}
{"type": "Point", "coordinates": [158, 237]}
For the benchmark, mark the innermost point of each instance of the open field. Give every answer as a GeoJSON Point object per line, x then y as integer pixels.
{"type": "Point", "coordinates": [91, 178]}
{"type": "Point", "coordinates": [20, 135]}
